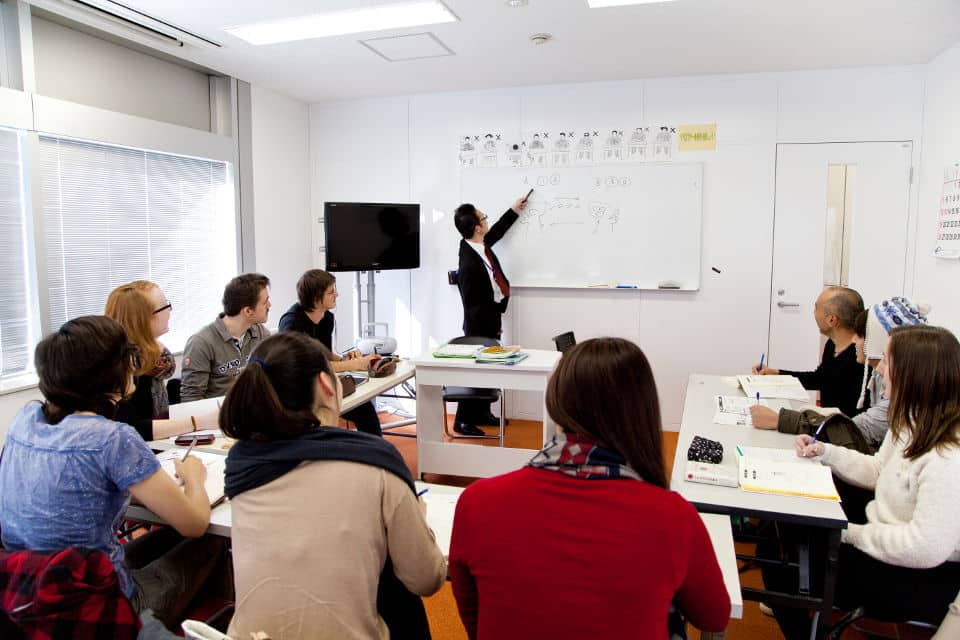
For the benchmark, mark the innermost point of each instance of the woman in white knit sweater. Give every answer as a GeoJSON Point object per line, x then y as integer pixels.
{"type": "Point", "coordinates": [904, 561]}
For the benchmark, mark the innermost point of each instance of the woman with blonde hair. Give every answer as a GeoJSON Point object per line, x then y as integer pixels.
{"type": "Point", "coordinates": [143, 310]}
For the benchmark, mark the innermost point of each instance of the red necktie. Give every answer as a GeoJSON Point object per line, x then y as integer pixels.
{"type": "Point", "coordinates": [498, 276]}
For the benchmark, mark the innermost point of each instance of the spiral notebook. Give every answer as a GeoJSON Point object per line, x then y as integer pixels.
{"type": "Point", "coordinates": [214, 462]}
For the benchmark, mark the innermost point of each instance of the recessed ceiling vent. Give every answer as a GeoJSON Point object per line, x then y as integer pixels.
{"type": "Point", "coordinates": [415, 46]}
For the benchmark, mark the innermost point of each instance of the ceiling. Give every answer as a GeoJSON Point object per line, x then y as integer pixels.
{"type": "Point", "coordinates": [492, 49]}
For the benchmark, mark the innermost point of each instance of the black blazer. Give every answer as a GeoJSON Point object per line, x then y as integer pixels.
{"type": "Point", "coordinates": [481, 315]}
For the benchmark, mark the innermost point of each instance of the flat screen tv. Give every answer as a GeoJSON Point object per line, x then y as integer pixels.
{"type": "Point", "coordinates": [365, 236]}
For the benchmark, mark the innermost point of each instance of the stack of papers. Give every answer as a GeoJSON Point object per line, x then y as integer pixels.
{"type": "Point", "coordinates": [781, 471]}
{"type": "Point", "coordinates": [773, 387]}
{"type": "Point", "coordinates": [510, 359]}
{"type": "Point", "coordinates": [736, 409]}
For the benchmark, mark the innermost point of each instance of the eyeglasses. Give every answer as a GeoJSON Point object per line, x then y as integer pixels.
{"type": "Point", "coordinates": [169, 305]}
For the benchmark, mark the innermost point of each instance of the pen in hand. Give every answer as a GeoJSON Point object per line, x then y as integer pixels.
{"type": "Point", "coordinates": [758, 398]}
{"type": "Point", "coordinates": [422, 491]}
{"type": "Point", "coordinates": [762, 356]}
{"type": "Point", "coordinates": [189, 449]}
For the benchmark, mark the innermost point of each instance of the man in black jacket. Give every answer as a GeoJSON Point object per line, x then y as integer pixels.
{"type": "Point", "coordinates": [484, 290]}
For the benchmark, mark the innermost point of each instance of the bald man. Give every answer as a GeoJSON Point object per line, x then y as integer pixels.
{"type": "Point", "coordinates": [839, 376]}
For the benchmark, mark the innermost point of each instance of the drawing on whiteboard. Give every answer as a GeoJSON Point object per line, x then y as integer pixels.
{"type": "Point", "coordinates": [561, 150]}
{"type": "Point", "coordinates": [555, 179]}
{"type": "Point", "coordinates": [585, 149]}
{"type": "Point", "coordinates": [613, 147]}
{"type": "Point", "coordinates": [515, 153]}
{"type": "Point", "coordinates": [468, 153]}
{"type": "Point", "coordinates": [625, 181]}
{"type": "Point", "coordinates": [529, 216]}
{"type": "Point", "coordinates": [638, 145]}
{"type": "Point", "coordinates": [537, 152]}
{"type": "Point", "coordinates": [488, 153]}
{"type": "Point", "coordinates": [564, 202]}
{"type": "Point", "coordinates": [663, 144]}
{"type": "Point", "coordinates": [600, 211]}
{"type": "Point", "coordinates": [542, 181]}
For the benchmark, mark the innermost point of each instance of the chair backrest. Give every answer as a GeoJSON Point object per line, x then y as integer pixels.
{"type": "Point", "coordinates": [487, 342]}
{"type": "Point", "coordinates": [564, 341]}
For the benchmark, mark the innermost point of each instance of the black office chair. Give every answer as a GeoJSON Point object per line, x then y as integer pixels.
{"type": "Point", "coordinates": [564, 341]}
{"type": "Point", "coordinates": [460, 394]}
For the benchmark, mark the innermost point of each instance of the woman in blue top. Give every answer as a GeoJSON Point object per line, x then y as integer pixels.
{"type": "Point", "coordinates": [68, 470]}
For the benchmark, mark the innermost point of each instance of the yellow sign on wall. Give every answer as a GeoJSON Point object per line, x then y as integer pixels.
{"type": "Point", "coordinates": [697, 137]}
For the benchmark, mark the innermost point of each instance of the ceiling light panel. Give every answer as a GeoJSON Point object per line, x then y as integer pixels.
{"type": "Point", "coordinates": [376, 18]}
{"type": "Point", "coordinates": [599, 4]}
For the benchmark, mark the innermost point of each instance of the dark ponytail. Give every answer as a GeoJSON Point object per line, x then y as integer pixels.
{"type": "Point", "coordinates": [273, 397]}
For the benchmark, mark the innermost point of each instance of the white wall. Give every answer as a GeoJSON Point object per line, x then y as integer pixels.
{"type": "Point", "coordinates": [78, 67]}
{"type": "Point", "coordinates": [405, 149]}
{"type": "Point", "coordinates": [935, 279]}
{"type": "Point", "coordinates": [280, 143]}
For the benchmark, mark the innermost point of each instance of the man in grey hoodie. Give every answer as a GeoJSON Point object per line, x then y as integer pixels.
{"type": "Point", "coordinates": [216, 354]}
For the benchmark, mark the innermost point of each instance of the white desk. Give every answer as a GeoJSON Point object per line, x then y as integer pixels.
{"type": "Point", "coordinates": [698, 410]}
{"type": "Point", "coordinates": [454, 458]}
{"type": "Point", "coordinates": [364, 393]}
{"type": "Point", "coordinates": [442, 503]}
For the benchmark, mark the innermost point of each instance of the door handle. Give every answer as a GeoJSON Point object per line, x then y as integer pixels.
{"type": "Point", "coordinates": [784, 305]}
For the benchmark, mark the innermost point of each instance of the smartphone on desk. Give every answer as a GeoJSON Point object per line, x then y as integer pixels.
{"type": "Point", "coordinates": [187, 439]}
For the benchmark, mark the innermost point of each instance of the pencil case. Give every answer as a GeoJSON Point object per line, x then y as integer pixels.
{"type": "Point", "coordinates": [703, 450]}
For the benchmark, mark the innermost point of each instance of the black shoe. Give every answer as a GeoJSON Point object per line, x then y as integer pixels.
{"type": "Point", "coordinates": [492, 420]}
{"type": "Point", "coordinates": [466, 429]}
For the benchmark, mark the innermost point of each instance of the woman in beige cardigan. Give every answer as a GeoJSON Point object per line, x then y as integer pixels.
{"type": "Point", "coordinates": [326, 522]}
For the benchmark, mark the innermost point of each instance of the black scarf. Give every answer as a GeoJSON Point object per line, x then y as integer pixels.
{"type": "Point", "coordinates": [253, 464]}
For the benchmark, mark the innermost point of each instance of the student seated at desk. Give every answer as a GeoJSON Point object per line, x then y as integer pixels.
{"type": "Point", "coordinates": [68, 471]}
{"type": "Point", "coordinates": [838, 375]}
{"type": "Point", "coordinates": [143, 311]}
{"type": "Point", "coordinates": [329, 539]}
{"type": "Point", "coordinates": [901, 554]}
{"type": "Point", "coordinates": [313, 316]}
{"type": "Point", "coordinates": [871, 329]}
{"type": "Point", "coordinates": [586, 541]}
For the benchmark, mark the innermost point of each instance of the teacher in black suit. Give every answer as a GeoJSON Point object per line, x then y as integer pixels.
{"type": "Point", "coordinates": [484, 290]}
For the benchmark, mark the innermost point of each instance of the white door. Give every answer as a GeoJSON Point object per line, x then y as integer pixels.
{"type": "Point", "coordinates": [873, 239]}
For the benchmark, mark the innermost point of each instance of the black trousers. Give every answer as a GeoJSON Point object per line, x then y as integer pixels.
{"type": "Point", "coordinates": [365, 418]}
{"type": "Point", "coordinates": [888, 592]}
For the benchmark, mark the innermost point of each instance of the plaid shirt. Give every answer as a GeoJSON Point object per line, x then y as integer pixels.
{"type": "Point", "coordinates": [65, 594]}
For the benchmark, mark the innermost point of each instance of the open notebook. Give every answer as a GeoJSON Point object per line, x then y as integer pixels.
{"type": "Point", "coordinates": [781, 471]}
{"type": "Point", "coordinates": [215, 463]}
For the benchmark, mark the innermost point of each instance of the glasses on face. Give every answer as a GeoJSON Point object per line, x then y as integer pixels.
{"type": "Point", "coordinates": [169, 305]}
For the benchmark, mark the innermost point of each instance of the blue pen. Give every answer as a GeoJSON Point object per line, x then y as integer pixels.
{"type": "Point", "coordinates": [758, 397]}
{"type": "Point", "coordinates": [762, 356]}
{"type": "Point", "coordinates": [627, 286]}
{"type": "Point", "coordinates": [420, 493]}
{"type": "Point", "coordinates": [816, 433]}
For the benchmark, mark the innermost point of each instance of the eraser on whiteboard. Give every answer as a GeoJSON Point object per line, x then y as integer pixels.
{"type": "Point", "coordinates": [668, 284]}
{"type": "Point", "coordinates": [724, 476]}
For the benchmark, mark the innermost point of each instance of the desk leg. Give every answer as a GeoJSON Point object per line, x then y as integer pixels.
{"type": "Point", "coordinates": [829, 583]}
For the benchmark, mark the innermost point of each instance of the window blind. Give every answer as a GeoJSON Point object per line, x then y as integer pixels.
{"type": "Point", "coordinates": [15, 321]}
{"type": "Point", "coordinates": [114, 215]}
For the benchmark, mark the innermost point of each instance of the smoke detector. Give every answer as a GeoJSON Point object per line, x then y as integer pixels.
{"type": "Point", "coordinates": [540, 38]}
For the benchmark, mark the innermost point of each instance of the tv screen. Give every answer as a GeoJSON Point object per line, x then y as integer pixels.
{"type": "Point", "coordinates": [364, 236]}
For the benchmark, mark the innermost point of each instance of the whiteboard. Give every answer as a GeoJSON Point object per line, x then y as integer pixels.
{"type": "Point", "coordinates": [632, 225]}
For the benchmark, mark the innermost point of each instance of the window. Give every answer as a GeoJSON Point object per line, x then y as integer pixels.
{"type": "Point", "coordinates": [16, 339]}
{"type": "Point", "coordinates": [113, 215]}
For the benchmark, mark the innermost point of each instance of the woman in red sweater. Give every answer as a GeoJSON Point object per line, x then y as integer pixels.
{"type": "Point", "coordinates": [586, 541]}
